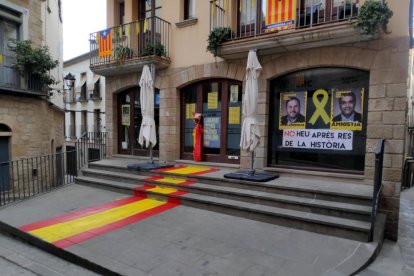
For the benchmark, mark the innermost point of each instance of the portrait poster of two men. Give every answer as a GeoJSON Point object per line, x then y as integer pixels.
{"type": "Point", "coordinates": [340, 109]}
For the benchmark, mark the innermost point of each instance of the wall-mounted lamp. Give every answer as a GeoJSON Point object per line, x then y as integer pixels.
{"type": "Point", "coordinates": [70, 83]}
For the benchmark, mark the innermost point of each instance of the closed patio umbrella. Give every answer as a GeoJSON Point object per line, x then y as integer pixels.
{"type": "Point", "coordinates": [250, 134]}
{"type": "Point", "coordinates": [147, 136]}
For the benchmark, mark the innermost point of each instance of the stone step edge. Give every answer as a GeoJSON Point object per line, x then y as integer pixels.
{"type": "Point", "coordinates": [56, 251]}
{"type": "Point", "coordinates": [261, 184]}
{"type": "Point", "coordinates": [274, 211]}
{"type": "Point", "coordinates": [315, 203]}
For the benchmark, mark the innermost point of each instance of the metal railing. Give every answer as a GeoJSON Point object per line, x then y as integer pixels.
{"type": "Point", "coordinates": [91, 146]}
{"type": "Point", "coordinates": [140, 38]}
{"type": "Point", "coordinates": [309, 13]}
{"type": "Point", "coordinates": [27, 177]}
{"type": "Point", "coordinates": [379, 158]}
{"type": "Point", "coordinates": [24, 178]}
{"type": "Point", "coordinates": [408, 168]}
{"type": "Point", "coordinates": [12, 78]}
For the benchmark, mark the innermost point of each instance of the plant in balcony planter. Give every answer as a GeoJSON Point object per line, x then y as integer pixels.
{"type": "Point", "coordinates": [121, 53]}
{"type": "Point", "coordinates": [155, 49]}
{"type": "Point", "coordinates": [36, 62]}
{"type": "Point", "coordinates": [216, 38]}
{"type": "Point", "coordinates": [373, 17]}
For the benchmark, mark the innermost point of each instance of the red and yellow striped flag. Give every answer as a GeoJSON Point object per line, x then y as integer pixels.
{"type": "Point", "coordinates": [105, 43]}
{"type": "Point", "coordinates": [280, 15]}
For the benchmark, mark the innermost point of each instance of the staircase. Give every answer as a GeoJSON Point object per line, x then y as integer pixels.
{"type": "Point", "coordinates": [317, 205]}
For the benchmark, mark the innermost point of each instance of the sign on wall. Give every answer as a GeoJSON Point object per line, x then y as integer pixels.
{"type": "Point", "coordinates": [125, 115]}
{"type": "Point", "coordinates": [321, 119]}
{"type": "Point", "coordinates": [212, 132]}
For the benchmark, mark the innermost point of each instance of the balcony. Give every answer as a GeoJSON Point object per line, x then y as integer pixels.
{"type": "Point", "coordinates": [308, 24]}
{"type": "Point", "coordinates": [127, 48]}
{"type": "Point", "coordinates": [12, 81]}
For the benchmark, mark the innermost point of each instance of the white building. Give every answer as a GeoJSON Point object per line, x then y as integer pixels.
{"type": "Point", "coordinates": [85, 103]}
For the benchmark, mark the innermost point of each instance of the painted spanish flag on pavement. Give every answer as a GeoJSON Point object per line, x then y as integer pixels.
{"type": "Point", "coordinates": [280, 15]}
{"type": "Point", "coordinates": [83, 225]}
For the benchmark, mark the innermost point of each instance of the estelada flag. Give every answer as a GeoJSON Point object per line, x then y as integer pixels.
{"type": "Point", "coordinates": [105, 43]}
{"type": "Point", "coordinates": [280, 15]}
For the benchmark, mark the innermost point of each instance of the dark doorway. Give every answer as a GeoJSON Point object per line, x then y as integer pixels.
{"type": "Point", "coordinates": [219, 101]}
{"type": "Point", "coordinates": [129, 122]}
{"type": "Point", "coordinates": [4, 165]}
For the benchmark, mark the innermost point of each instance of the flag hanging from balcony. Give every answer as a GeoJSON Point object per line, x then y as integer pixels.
{"type": "Point", "coordinates": [105, 43]}
{"type": "Point", "coordinates": [280, 15]}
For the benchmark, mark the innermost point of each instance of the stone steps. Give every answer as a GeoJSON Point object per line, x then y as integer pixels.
{"type": "Point", "coordinates": [339, 210]}
{"type": "Point", "coordinates": [313, 205]}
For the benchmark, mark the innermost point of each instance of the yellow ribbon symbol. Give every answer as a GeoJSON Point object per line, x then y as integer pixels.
{"type": "Point", "coordinates": [320, 106]}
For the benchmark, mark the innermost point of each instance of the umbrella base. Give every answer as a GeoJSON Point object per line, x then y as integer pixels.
{"type": "Point", "coordinates": [147, 166]}
{"type": "Point", "coordinates": [251, 176]}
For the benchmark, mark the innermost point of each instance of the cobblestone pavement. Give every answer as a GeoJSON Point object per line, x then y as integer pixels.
{"type": "Point", "coordinates": [19, 258]}
{"type": "Point", "coordinates": [397, 258]}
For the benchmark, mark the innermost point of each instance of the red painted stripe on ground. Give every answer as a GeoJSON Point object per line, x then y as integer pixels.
{"type": "Point", "coordinates": [79, 214]}
{"type": "Point", "coordinates": [188, 182]}
{"type": "Point", "coordinates": [204, 172]}
{"type": "Point", "coordinates": [113, 226]}
{"type": "Point", "coordinates": [179, 193]}
{"type": "Point", "coordinates": [154, 178]}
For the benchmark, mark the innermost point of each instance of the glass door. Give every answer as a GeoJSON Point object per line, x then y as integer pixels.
{"type": "Point", "coordinates": [219, 101]}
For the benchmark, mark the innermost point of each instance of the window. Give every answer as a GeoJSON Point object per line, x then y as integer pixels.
{"type": "Point", "coordinates": [327, 130]}
{"type": "Point", "coordinates": [10, 22]}
{"type": "Point", "coordinates": [189, 9]}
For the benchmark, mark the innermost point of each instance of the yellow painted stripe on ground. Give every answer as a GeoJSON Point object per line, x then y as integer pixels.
{"type": "Point", "coordinates": [189, 170]}
{"type": "Point", "coordinates": [173, 180]}
{"type": "Point", "coordinates": [70, 228]}
{"type": "Point", "coordinates": [163, 190]}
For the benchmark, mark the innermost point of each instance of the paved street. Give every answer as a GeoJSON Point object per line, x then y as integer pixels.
{"type": "Point", "coordinates": [190, 241]}
{"type": "Point", "coordinates": [19, 258]}
{"type": "Point", "coordinates": [397, 258]}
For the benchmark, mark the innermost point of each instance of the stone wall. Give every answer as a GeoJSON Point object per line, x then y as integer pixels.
{"type": "Point", "coordinates": [34, 124]}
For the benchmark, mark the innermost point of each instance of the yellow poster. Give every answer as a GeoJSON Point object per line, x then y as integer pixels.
{"type": "Point", "coordinates": [292, 110]}
{"type": "Point", "coordinates": [234, 115]}
{"type": "Point", "coordinates": [347, 109]}
{"type": "Point", "coordinates": [125, 115]}
{"type": "Point", "coordinates": [212, 100]}
{"type": "Point", "coordinates": [190, 110]}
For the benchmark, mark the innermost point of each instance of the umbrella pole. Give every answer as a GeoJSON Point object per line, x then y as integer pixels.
{"type": "Point", "coordinates": [151, 157]}
{"type": "Point", "coordinates": [251, 171]}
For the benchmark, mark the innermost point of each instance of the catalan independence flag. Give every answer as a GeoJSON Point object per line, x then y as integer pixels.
{"type": "Point", "coordinates": [105, 43]}
{"type": "Point", "coordinates": [280, 14]}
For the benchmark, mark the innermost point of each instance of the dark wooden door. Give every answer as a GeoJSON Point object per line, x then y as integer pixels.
{"type": "Point", "coordinates": [4, 167]}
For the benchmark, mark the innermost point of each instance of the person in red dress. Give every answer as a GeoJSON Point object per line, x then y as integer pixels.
{"type": "Point", "coordinates": [198, 136]}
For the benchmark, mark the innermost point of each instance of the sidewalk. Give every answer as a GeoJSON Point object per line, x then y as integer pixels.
{"type": "Point", "coordinates": [189, 241]}
{"type": "Point", "coordinates": [397, 258]}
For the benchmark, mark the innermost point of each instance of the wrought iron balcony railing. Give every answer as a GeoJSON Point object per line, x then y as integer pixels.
{"type": "Point", "coordinates": [147, 37]}
{"type": "Point", "coordinates": [258, 17]}
{"type": "Point", "coordinates": [13, 80]}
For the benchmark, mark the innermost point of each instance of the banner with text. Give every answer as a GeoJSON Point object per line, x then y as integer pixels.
{"type": "Point", "coordinates": [323, 139]}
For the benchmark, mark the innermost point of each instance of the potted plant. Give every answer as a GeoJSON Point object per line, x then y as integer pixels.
{"type": "Point", "coordinates": [373, 17]}
{"type": "Point", "coordinates": [121, 53]}
{"type": "Point", "coordinates": [216, 38]}
{"type": "Point", "coordinates": [36, 62]}
{"type": "Point", "coordinates": [155, 49]}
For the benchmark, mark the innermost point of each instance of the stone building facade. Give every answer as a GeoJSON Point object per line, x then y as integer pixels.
{"type": "Point", "coordinates": [31, 121]}
{"type": "Point", "coordinates": [187, 74]}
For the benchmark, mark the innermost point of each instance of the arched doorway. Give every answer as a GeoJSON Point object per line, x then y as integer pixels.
{"type": "Point", "coordinates": [129, 122]}
{"type": "Point", "coordinates": [5, 134]}
{"type": "Point", "coordinates": [219, 100]}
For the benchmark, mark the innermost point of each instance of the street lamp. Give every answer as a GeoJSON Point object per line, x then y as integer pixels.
{"type": "Point", "coordinates": [70, 83]}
